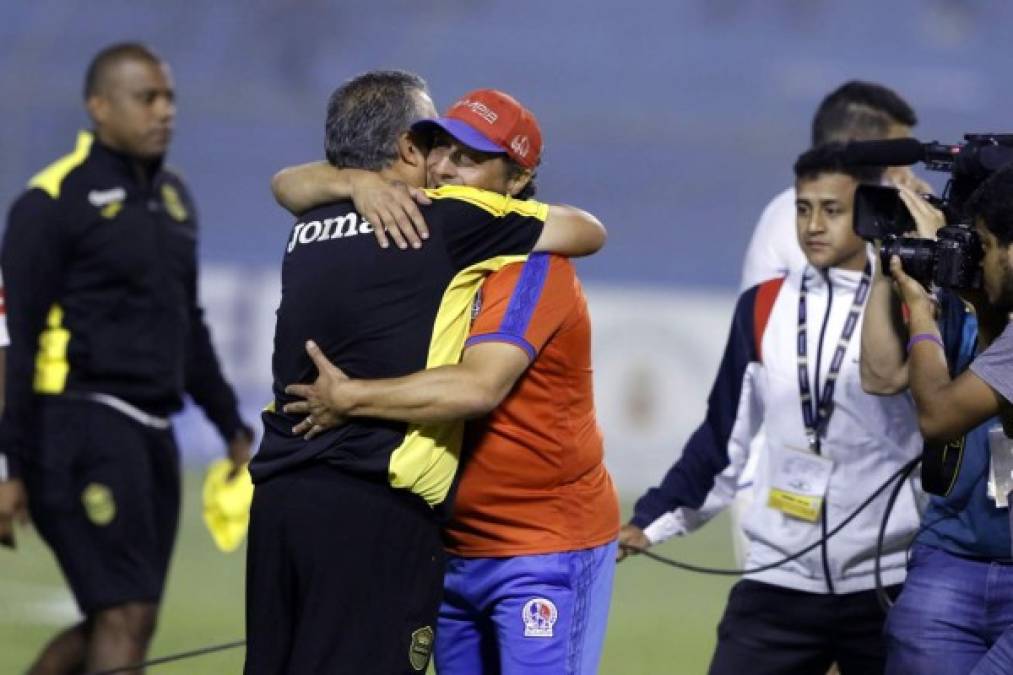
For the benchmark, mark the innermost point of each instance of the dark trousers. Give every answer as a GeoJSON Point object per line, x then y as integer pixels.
{"type": "Point", "coordinates": [778, 631]}
{"type": "Point", "coordinates": [343, 575]}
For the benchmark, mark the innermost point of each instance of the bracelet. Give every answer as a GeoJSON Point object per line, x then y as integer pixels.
{"type": "Point", "coordinates": [921, 337]}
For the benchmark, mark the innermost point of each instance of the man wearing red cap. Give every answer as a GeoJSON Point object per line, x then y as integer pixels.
{"type": "Point", "coordinates": [532, 537]}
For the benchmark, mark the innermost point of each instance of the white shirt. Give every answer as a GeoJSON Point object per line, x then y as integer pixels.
{"type": "Point", "coordinates": [773, 250]}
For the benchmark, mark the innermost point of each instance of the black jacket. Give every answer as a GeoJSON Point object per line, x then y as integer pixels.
{"type": "Point", "coordinates": [100, 272]}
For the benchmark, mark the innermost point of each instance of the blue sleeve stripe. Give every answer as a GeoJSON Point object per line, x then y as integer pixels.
{"type": "Point", "coordinates": [525, 296]}
{"type": "Point", "coordinates": [504, 337]}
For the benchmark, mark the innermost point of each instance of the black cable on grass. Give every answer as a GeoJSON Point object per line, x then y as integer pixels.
{"type": "Point", "coordinates": [172, 657]}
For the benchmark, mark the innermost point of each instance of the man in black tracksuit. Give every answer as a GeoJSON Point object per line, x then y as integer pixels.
{"type": "Point", "coordinates": [100, 262]}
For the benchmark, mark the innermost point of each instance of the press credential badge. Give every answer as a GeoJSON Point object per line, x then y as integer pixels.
{"type": "Point", "coordinates": [798, 482]}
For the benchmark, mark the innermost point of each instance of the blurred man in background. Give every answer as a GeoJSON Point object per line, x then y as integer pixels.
{"type": "Point", "coordinates": [791, 347]}
{"type": "Point", "coordinates": [855, 111]}
{"type": "Point", "coordinates": [107, 334]}
{"type": "Point", "coordinates": [532, 537]}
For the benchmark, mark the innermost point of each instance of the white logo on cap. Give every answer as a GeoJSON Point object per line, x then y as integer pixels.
{"type": "Point", "coordinates": [521, 145]}
{"type": "Point", "coordinates": [480, 109]}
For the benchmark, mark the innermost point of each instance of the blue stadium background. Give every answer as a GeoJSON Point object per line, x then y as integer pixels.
{"type": "Point", "coordinates": [675, 122]}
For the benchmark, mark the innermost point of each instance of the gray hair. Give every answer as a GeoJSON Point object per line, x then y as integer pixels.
{"type": "Point", "coordinates": [367, 114]}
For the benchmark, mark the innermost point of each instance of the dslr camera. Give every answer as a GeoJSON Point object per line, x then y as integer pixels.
{"type": "Point", "coordinates": [953, 260]}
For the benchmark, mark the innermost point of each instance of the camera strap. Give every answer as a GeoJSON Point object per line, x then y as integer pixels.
{"type": "Point", "coordinates": [817, 406]}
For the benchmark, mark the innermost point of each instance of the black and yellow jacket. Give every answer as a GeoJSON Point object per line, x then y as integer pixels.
{"type": "Point", "coordinates": [380, 313]}
{"type": "Point", "coordinates": [100, 271]}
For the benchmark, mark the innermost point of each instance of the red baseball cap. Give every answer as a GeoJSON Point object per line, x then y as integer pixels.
{"type": "Point", "coordinates": [491, 121]}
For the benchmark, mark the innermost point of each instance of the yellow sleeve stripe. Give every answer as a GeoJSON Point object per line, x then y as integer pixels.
{"type": "Point", "coordinates": [493, 202]}
{"type": "Point", "coordinates": [51, 365]}
{"type": "Point", "coordinates": [426, 461]}
{"type": "Point", "coordinates": [51, 178]}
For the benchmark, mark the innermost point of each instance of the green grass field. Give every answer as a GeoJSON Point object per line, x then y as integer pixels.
{"type": "Point", "coordinates": [662, 620]}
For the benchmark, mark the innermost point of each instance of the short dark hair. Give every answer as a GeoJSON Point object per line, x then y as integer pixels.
{"type": "Point", "coordinates": [513, 170]}
{"type": "Point", "coordinates": [855, 110]}
{"type": "Point", "coordinates": [112, 55]}
{"type": "Point", "coordinates": [992, 201]}
{"type": "Point", "coordinates": [366, 116]}
{"type": "Point", "coordinates": [829, 158]}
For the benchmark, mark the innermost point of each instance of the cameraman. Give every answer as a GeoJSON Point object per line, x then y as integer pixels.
{"type": "Point", "coordinates": [958, 599]}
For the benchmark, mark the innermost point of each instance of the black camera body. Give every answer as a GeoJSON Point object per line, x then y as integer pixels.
{"type": "Point", "coordinates": [968, 163]}
{"type": "Point", "coordinates": [954, 259]}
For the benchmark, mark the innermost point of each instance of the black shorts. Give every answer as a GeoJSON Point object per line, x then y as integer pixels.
{"type": "Point", "coordinates": [103, 492]}
{"type": "Point", "coordinates": [343, 575]}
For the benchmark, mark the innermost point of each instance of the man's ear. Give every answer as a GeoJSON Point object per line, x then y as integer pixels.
{"type": "Point", "coordinates": [519, 182]}
{"type": "Point", "coordinates": [98, 109]}
{"type": "Point", "coordinates": [410, 150]}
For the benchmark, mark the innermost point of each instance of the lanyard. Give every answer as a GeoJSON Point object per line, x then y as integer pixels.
{"type": "Point", "coordinates": [818, 406]}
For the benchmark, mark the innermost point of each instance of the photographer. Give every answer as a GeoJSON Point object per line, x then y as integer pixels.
{"type": "Point", "coordinates": [958, 597]}
{"type": "Point", "coordinates": [950, 407]}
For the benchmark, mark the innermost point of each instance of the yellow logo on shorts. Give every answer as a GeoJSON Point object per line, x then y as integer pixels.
{"type": "Point", "coordinates": [99, 504]}
{"type": "Point", "coordinates": [422, 647]}
{"type": "Point", "coordinates": [173, 203]}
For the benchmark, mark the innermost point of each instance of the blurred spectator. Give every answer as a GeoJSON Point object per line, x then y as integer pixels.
{"type": "Point", "coordinates": [100, 257]}
{"type": "Point", "coordinates": [855, 111]}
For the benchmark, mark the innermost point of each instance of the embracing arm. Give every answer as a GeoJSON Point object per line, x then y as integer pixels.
{"type": "Point", "coordinates": [568, 231]}
{"type": "Point", "coordinates": [571, 232]}
{"type": "Point", "coordinates": [302, 187]}
{"type": "Point", "coordinates": [472, 388]}
{"type": "Point", "coordinates": [391, 204]}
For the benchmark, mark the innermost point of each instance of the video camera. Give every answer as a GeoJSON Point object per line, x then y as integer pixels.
{"type": "Point", "coordinates": [953, 260]}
